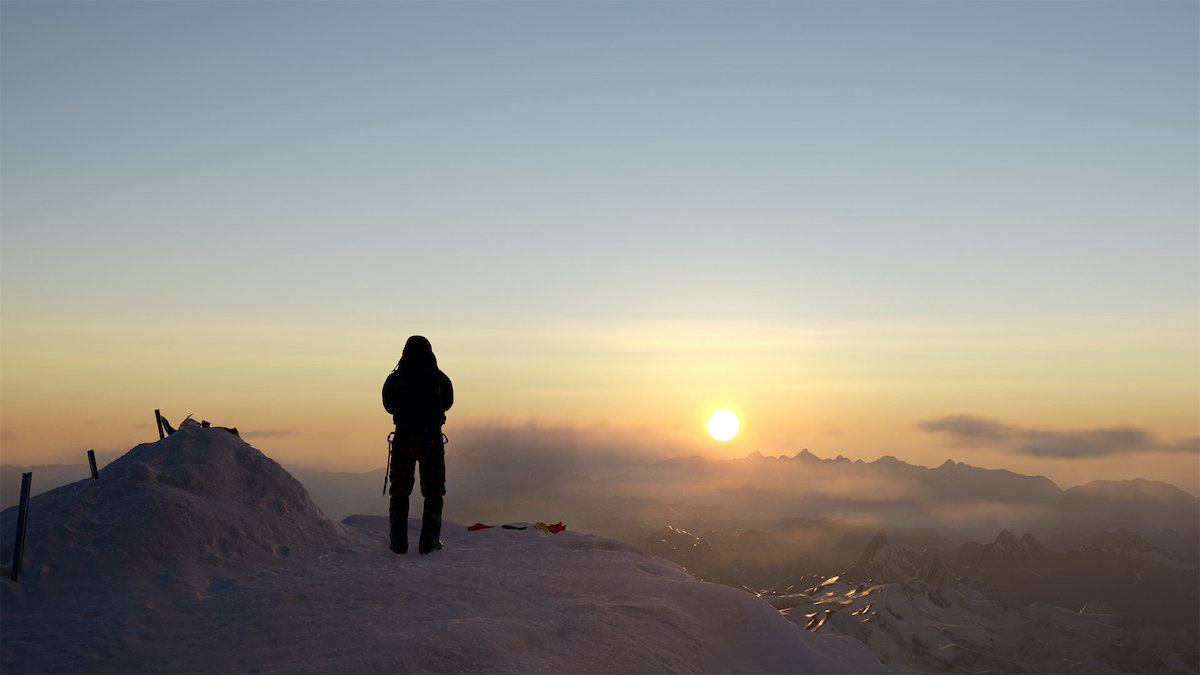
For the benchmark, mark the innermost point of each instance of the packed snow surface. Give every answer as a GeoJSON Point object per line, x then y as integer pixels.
{"type": "Point", "coordinates": [200, 554]}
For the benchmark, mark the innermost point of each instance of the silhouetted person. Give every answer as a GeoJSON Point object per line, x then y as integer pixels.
{"type": "Point", "coordinates": [417, 395]}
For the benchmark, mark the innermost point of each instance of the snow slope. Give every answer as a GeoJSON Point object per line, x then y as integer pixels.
{"type": "Point", "coordinates": [200, 554]}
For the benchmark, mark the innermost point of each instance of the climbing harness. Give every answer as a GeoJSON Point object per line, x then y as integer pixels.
{"type": "Point", "coordinates": [391, 440]}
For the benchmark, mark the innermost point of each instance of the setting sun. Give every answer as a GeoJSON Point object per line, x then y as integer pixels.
{"type": "Point", "coordinates": [723, 425]}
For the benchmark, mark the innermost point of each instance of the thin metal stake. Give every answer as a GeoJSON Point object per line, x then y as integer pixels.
{"type": "Point", "coordinates": [22, 518]}
{"type": "Point", "coordinates": [92, 462]}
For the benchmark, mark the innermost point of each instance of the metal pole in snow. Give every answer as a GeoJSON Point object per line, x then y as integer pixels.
{"type": "Point", "coordinates": [92, 462]}
{"type": "Point", "coordinates": [158, 418]}
{"type": "Point", "coordinates": [22, 517]}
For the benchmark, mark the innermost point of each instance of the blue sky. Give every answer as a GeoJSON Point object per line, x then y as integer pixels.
{"type": "Point", "coordinates": [778, 158]}
{"type": "Point", "coordinates": [404, 167]}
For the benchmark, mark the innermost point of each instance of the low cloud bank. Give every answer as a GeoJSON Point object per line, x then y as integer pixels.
{"type": "Point", "coordinates": [1070, 444]}
{"type": "Point", "coordinates": [561, 449]}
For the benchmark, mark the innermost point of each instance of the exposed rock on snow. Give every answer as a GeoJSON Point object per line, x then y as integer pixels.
{"type": "Point", "coordinates": [924, 628]}
{"type": "Point", "coordinates": [199, 554]}
{"type": "Point", "coordinates": [997, 607]}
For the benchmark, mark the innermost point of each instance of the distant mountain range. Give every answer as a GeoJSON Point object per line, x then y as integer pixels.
{"type": "Point", "coordinates": [955, 497]}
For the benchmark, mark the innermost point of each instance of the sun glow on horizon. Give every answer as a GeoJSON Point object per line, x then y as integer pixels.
{"type": "Point", "coordinates": [723, 425]}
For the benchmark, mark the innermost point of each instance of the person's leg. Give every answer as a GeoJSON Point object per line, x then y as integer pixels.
{"type": "Point", "coordinates": [433, 489]}
{"type": "Point", "coordinates": [403, 470]}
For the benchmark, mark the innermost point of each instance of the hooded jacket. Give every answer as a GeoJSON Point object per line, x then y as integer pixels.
{"type": "Point", "coordinates": [417, 393]}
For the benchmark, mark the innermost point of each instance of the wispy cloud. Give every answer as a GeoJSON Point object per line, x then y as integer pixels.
{"type": "Point", "coordinates": [1068, 444]}
{"type": "Point", "coordinates": [967, 428]}
{"type": "Point", "coordinates": [268, 433]}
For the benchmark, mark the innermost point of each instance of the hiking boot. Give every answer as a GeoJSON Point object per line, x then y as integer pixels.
{"type": "Point", "coordinates": [398, 537]}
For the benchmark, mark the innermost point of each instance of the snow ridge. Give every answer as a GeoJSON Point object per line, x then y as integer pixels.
{"type": "Point", "coordinates": [200, 554]}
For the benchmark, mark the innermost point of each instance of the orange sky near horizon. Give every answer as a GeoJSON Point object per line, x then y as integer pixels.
{"type": "Point", "coordinates": [308, 394]}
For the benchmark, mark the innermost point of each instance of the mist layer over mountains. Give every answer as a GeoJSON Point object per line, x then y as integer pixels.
{"type": "Point", "coordinates": [954, 501]}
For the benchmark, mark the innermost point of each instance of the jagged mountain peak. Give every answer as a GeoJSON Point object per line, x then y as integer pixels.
{"type": "Point", "coordinates": [877, 543]}
{"type": "Point", "coordinates": [1008, 545]}
{"type": "Point", "coordinates": [884, 562]}
{"type": "Point", "coordinates": [1006, 540]}
{"type": "Point", "coordinates": [1030, 543]}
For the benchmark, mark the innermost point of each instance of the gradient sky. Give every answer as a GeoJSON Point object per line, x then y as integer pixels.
{"type": "Point", "coordinates": [924, 229]}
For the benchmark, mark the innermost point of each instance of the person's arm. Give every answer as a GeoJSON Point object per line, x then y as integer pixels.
{"type": "Point", "coordinates": [447, 391]}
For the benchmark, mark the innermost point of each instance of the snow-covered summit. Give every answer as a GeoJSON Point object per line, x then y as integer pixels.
{"type": "Point", "coordinates": [200, 554]}
{"type": "Point", "coordinates": [177, 511]}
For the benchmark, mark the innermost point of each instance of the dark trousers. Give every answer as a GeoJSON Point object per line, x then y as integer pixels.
{"type": "Point", "coordinates": [413, 451]}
